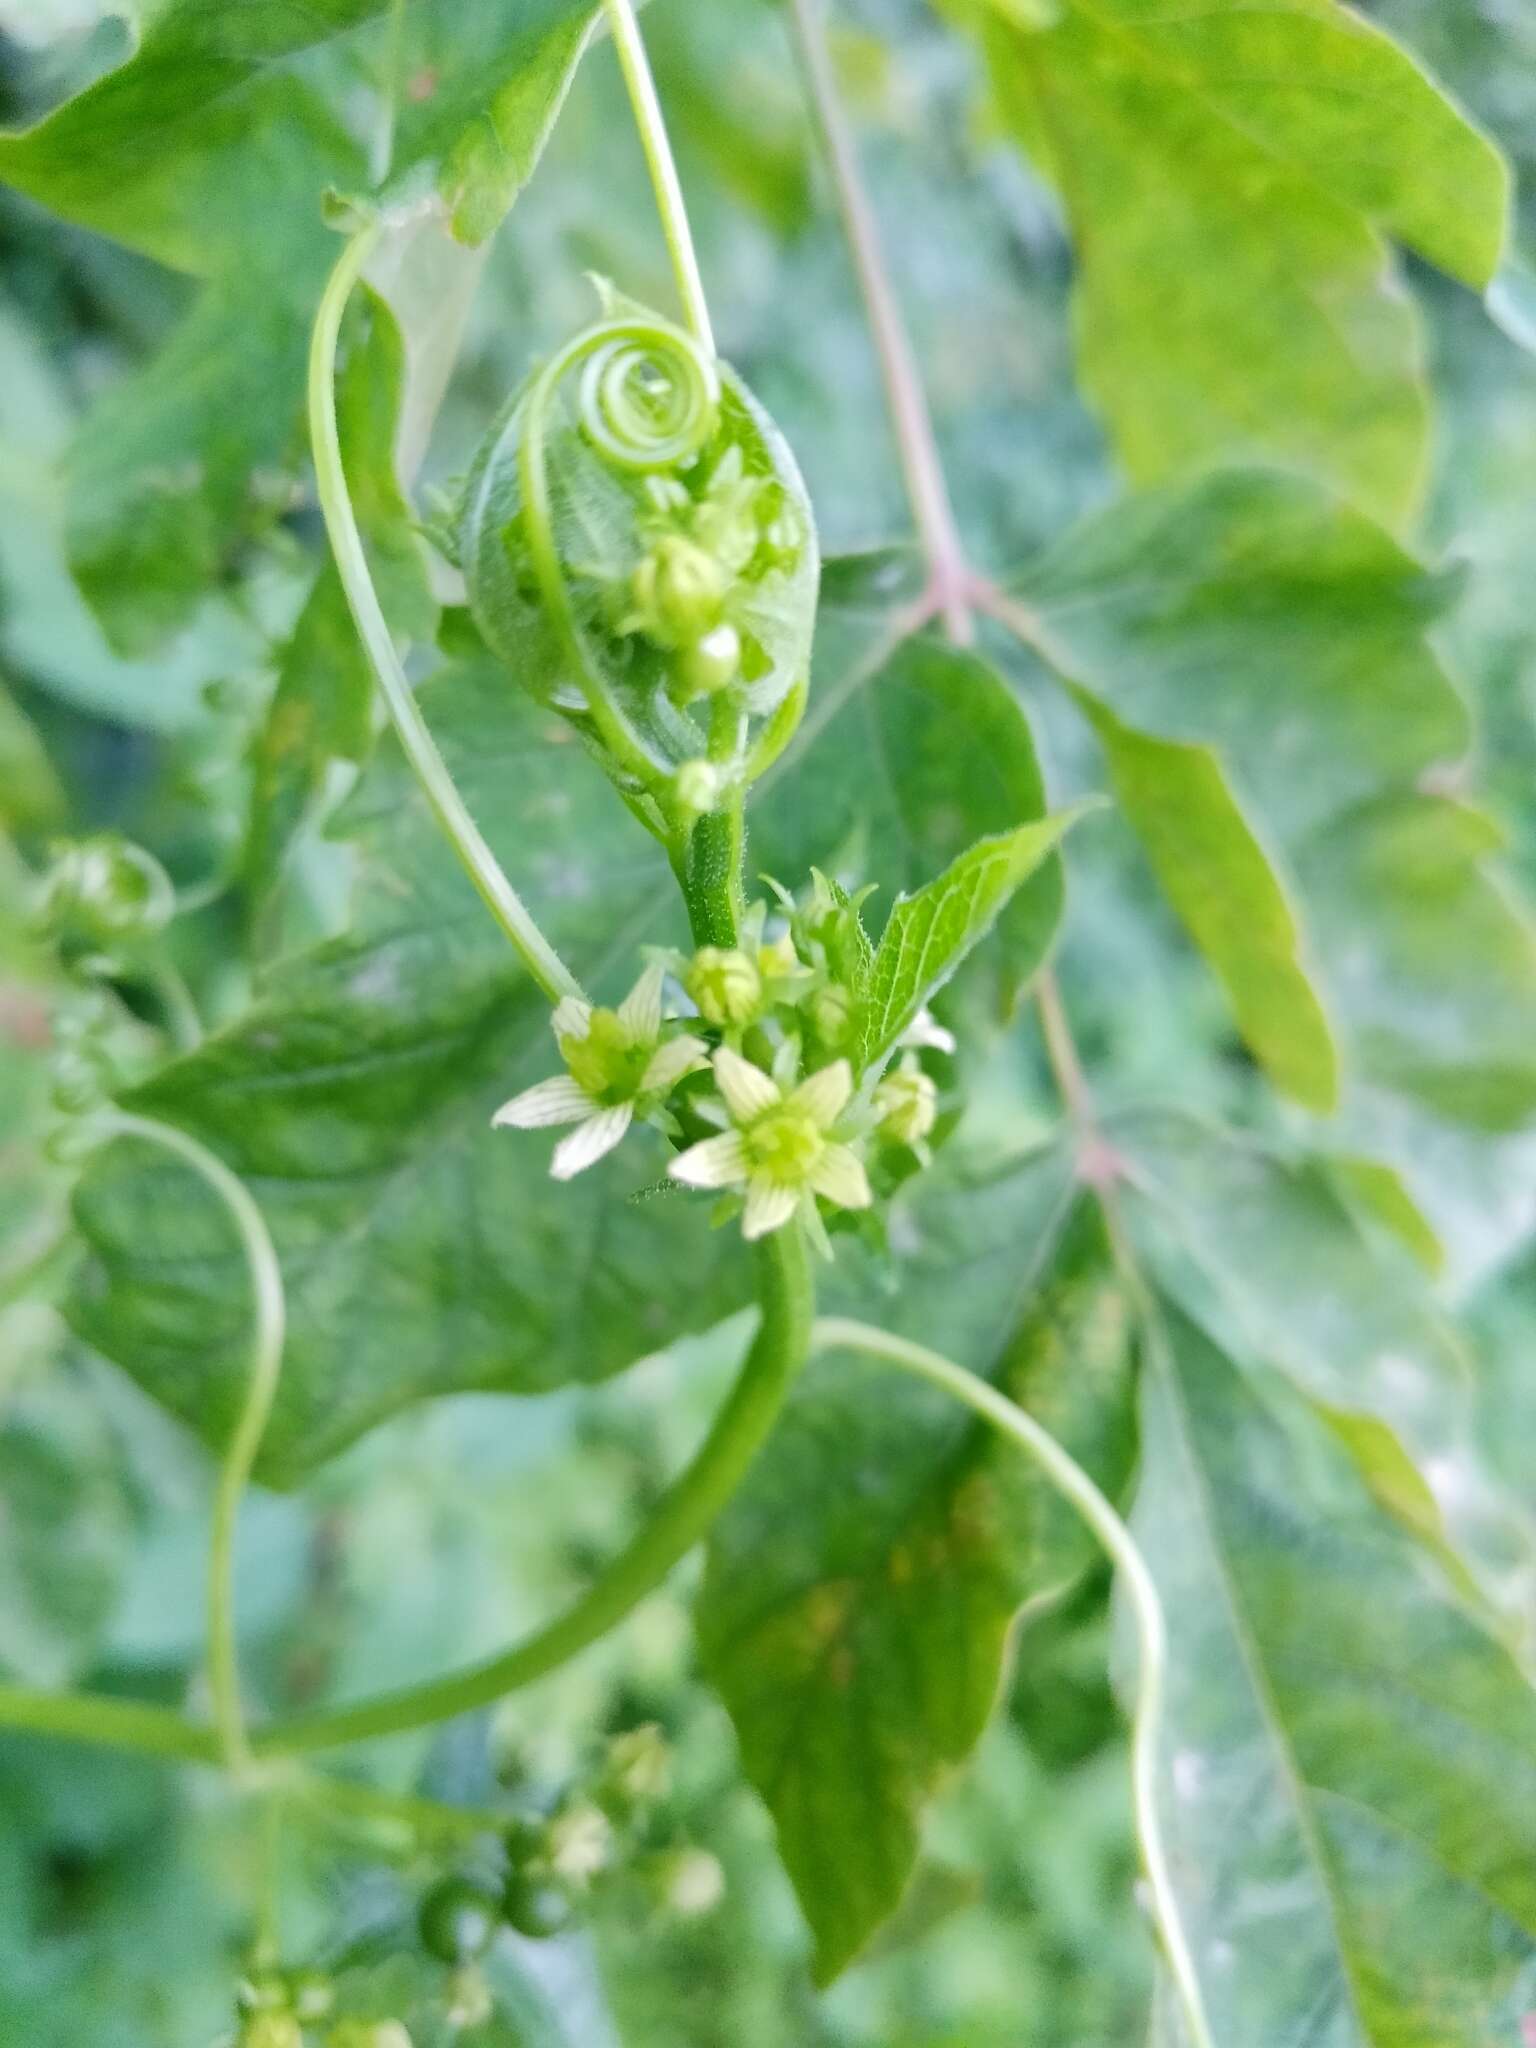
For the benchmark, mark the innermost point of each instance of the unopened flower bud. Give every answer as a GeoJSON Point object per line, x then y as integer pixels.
{"type": "Point", "coordinates": [639, 1767]}
{"type": "Point", "coordinates": [908, 1106]}
{"type": "Point", "coordinates": [725, 984]}
{"type": "Point", "coordinates": [105, 891]}
{"type": "Point", "coordinates": [831, 1010]}
{"type": "Point", "coordinates": [696, 786]}
{"type": "Point", "coordinates": [778, 958]}
{"type": "Point", "coordinates": [709, 664]}
{"type": "Point", "coordinates": [689, 1883]}
{"type": "Point", "coordinates": [677, 592]}
{"type": "Point", "coordinates": [580, 1845]}
{"type": "Point", "coordinates": [272, 2030]}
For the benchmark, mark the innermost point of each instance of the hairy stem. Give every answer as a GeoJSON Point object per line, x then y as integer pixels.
{"type": "Point", "coordinates": [684, 1514]}
{"type": "Point", "coordinates": [712, 875]}
{"type": "Point", "coordinates": [266, 1278]}
{"type": "Point", "coordinates": [658, 156]}
{"type": "Point", "coordinates": [1075, 1486]}
{"type": "Point", "coordinates": [917, 445]}
{"type": "Point", "coordinates": [420, 749]}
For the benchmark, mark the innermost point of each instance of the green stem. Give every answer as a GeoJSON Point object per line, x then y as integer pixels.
{"type": "Point", "coordinates": [1074, 1485]}
{"type": "Point", "coordinates": [169, 985]}
{"type": "Point", "coordinates": [684, 1514]}
{"type": "Point", "coordinates": [658, 156]}
{"type": "Point", "coordinates": [250, 1426]}
{"type": "Point", "coordinates": [423, 1817]}
{"type": "Point", "coordinates": [712, 879]}
{"type": "Point", "coordinates": [916, 443]}
{"type": "Point", "coordinates": [107, 1723]}
{"type": "Point", "coordinates": [420, 749]}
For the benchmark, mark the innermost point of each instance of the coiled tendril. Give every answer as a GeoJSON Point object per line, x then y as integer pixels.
{"type": "Point", "coordinates": [638, 547]}
{"type": "Point", "coordinates": [649, 401]}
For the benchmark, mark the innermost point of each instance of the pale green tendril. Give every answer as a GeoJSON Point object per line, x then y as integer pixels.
{"type": "Point", "coordinates": [416, 741]}
{"type": "Point", "coordinates": [268, 1324]}
{"type": "Point", "coordinates": [831, 1333]}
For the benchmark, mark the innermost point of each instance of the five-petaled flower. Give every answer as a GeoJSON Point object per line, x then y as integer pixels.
{"type": "Point", "coordinates": [778, 1148]}
{"type": "Point", "coordinates": [618, 1065]}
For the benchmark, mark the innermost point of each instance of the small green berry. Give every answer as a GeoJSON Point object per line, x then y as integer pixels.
{"type": "Point", "coordinates": [458, 1920]}
{"type": "Point", "coordinates": [535, 1907]}
{"type": "Point", "coordinates": [725, 984]}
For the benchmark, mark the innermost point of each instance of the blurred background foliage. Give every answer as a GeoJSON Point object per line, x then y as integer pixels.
{"type": "Point", "coordinates": [122, 1884]}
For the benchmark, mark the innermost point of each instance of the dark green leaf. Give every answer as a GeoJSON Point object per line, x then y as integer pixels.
{"type": "Point", "coordinates": [1352, 1760]}
{"type": "Point", "coordinates": [424, 1253]}
{"type": "Point", "coordinates": [861, 1589]}
{"type": "Point", "coordinates": [1229, 176]}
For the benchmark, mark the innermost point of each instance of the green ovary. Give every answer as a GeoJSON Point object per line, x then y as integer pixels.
{"type": "Point", "coordinates": [784, 1146]}
{"type": "Point", "coordinates": [607, 1065]}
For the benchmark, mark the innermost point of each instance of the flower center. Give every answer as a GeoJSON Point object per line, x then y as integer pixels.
{"type": "Point", "coordinates": [607, 1064]}
{"type": "Point", "coordinates": [784, 1145]}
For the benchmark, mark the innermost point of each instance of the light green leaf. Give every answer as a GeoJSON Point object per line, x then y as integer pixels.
{"type": "Point", "coordinates": [497, 90]}
{"type": "Point", "coordinates": [68, 1524]}
{"type": "Point", "coordinates": [1351, 1759]}
{"type": "Point", "coordinates": [162, 476]}
{"type": "Point", "coordinates": [322, 708]}
{"type": "Point", "coordinates": [861, 1589]}
{"type": "Point", "coordinates": [1229, 176]}
{"type": "Point", "coordinates": [1222, 883]}
{"type": "Point", "coordinates": [31, 797]}
{"type": "Point", "coordinates": [423, 1252]}
{"type": "Point", "coordinates": [1255, 616]}
{"type": "Point", "coordinates": [1264, 1252]}
{"type": "Point", "coordinates": [941, 755]}
{"type": "Point", "coordinates": [928, 935]}
{"type": "Point", "coordinates": [1383, 1194]}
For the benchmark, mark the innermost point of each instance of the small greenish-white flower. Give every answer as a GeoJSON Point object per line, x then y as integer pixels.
{"type": "Point", "coordinates": [580, 1845]}
{"type": "Point", "coordinates": [906, 1105]}
{"type": "Point", "coordinates": [779, 1147]}
{"type": "Point", "coordinates": [618, 1065]}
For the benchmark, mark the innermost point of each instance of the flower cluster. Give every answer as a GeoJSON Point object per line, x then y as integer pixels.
{"type": "Point", "coordinates": [701, 551]}
{"type": "Point", "coordinates": [770, 1107]}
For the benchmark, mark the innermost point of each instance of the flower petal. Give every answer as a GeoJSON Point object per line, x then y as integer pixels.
{"type": "Point", "coordinates": [769, 1207]}
{"type": "Point", "coordinates": [572, 1018]}
{"type": "Point", "coordinates": [824, 1096]}
{"type": "Point", "coordinates": [839, 1175]}
{"type": "Point", "coordinates": [926, 1030]}
{"type": "Point", "coordinates": [590, 1141]}
{"type": "Point", "coordinates": [671, 1061]}
{"type": "Point", "coordinates": [712, 1163]}
{"type": "Point", "coordinates": [748, 1091]}
{"type": "Point", "coordinates": [557, 1101]}
{"type": "Point", "coordinates": [640, 1011]}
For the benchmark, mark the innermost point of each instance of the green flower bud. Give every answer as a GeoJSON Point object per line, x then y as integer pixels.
{"type": "Point", "coordinates": [677, 592]}
{"type": "Point", "coordinates": [696, 786]}
{"type": "Point", "coordinates": [311, 1994]}
{"type": "Point", "coordinates": [709, 665]}
{"type": "Point", "coordinates": [580, 1845]}
{"type": "Point", "coordinates": [831, 1014]}
{"type": "Point", "coordinates": [725, 984]}
{"type": "Point", "coordinates": [688, 1883]}
{"type": "Point", "coordinates": [78, 1082]}
{"type": "Point", "coordinates": [272, 2030]}
{"type": "Point", "coordinates": [368, 2034]}
{"type": "Point", "coordinates": [907, 1103]}
{"type": "Point", "coordinates": [106, 892]}
{"type": "Point", "coordinates": [639, 1768]}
